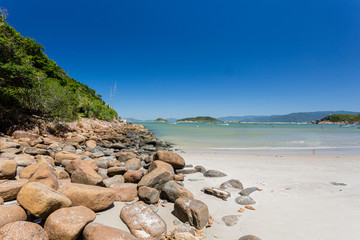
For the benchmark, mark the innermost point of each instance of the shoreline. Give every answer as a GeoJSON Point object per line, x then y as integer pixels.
{"type": "Point", "coordinates": [288, 151]}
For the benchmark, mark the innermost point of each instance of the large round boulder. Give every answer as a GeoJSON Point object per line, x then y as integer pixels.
{"type": "Point", "coordinates": [94, 197]}
{"type": "Point", "coordinates": [67, 223]}
{"type": "Point", "coordinates": [40, 200]}
{"type": "Point", "coordinates": [172, 158]}
{"type": "Point", "coordinates": [142, 221]}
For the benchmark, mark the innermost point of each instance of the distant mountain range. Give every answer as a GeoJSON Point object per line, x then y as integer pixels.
{"type": "Point", "coordinates": [292, 117]}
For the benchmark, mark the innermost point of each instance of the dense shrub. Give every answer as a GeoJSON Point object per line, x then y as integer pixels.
{"type": "Point", "coordinates": [34, 84]}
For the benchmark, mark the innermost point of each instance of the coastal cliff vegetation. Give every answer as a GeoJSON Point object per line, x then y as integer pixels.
{"type": "Point", "coordinates": [33, 84]}
{"type": "Point", "coordinates": [347, 118]}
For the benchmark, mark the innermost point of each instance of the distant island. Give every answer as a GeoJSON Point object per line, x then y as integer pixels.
{"type": "Point", "coordinates": [341, 119]}
{"type": "Point", "coordinates": [200, 119]}
{"type": "Point", "coordinates": [161, 120]}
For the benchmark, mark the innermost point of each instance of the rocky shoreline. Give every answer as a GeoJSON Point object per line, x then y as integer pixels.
{"type": "Point", "coordinates": [52, 186]}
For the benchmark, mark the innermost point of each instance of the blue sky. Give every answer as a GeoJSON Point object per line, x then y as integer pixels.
{"type": "Point", "coordinates": [188, 58]}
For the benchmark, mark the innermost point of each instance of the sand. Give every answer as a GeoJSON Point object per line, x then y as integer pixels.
{"type": "Point", "coordinates": [297, 200]}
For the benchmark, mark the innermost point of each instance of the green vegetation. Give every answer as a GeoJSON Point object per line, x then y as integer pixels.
{"type": "Point", "coordinates": [348, 118]}
{"type": "Point", "coordinates": [161, 120]}
{"type": "Point", "coordinates": [33, 84]}
{"type": "Point", "coordinates": [200, 119]}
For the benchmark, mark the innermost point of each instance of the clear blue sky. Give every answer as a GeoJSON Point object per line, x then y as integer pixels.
{"type": "Point", "coordinates": [181, 58]}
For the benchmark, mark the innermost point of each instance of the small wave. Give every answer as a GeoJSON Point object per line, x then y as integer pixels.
{"type": "Point", "coordinates": [284, 148]}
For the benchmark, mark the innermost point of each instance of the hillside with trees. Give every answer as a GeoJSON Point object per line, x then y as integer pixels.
{"type": "Point", "coordinates": [33, 84]}
{"type": "Point", "coordinates": [200, 119]}
{"type": "Point", "coordinates": [161, 120]}
{"type": "Point", "coordinates": [342, 118]}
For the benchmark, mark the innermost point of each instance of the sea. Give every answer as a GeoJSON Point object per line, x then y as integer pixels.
{"type": "Point", "coordinates": [260, 138]}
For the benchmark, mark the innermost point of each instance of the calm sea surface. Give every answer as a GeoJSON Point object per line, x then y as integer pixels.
{"type": "Point", "coordinates": [253, 136]}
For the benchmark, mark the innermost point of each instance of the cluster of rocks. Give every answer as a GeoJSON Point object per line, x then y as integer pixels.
{"type": "Point", "coordinates": [59, 183]}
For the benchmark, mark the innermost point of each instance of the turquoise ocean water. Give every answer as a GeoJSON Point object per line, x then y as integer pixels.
{"type": "Point", "coordinates": [256, 136]}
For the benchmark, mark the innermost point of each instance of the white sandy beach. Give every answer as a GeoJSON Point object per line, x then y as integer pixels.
{"type": "Point", "coordinates": [297, 202]}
